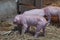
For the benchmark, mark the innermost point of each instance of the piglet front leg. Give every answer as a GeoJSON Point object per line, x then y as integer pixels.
{"type": "Point", "coordinates": [24, 28]}
{"type": "Point", "coordinates": [49, 18]}
{"type": "Point", "coordinates": [43, 31]}
{"type": "Point", "coordinates": [37, 31]}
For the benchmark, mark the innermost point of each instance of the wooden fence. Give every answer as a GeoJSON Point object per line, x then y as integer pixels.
{"type": "Point", "coordinates": [24, 5]}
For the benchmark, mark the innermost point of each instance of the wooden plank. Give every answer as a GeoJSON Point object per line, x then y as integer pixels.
{"type": "Point", "coordinates": [39, 3]}
{"type": "Point", "coordinates": [23, 7]}
{"type": "Point", "coordinates": [28, 1]}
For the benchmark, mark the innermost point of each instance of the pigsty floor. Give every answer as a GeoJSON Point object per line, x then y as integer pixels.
{"type": "Point", "coordinates": [52, 33]}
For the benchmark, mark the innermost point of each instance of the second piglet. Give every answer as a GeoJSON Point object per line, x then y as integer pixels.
{"type": "Point", "coordinates": [26, 21]}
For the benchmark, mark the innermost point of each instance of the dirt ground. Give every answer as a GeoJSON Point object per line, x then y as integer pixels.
{"type": "Point", "coordinates": [52, 33]}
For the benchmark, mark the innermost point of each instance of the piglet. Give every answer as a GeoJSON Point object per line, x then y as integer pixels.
{"type": "Point", "coordinates": [46, 11]}
{"type": "Point", "coordinates": [39, 12]}
{"type": "Point", "coordinates": [26, 21]}
{"type": "Point", "coordinates": [52, 11]}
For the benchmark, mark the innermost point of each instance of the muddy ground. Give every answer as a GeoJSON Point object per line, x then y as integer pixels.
{"type": "Point", "coordinates": [52, 33]}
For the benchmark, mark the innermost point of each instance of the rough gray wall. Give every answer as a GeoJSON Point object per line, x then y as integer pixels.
{"type": "Point", "coordinates": [7, 9]}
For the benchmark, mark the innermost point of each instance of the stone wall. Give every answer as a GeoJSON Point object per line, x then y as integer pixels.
{"type": "Point", "coordinates": [7, 9]}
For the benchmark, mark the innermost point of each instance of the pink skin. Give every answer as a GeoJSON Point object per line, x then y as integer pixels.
{"type": "Point", "coordinates": [39, 12]}
{"type": "Point", "coordinates": [46, 11]}
{"type": "Point", "coordinates": [52, 10]}
{"type": "Point", "coordinates": [28, 21]}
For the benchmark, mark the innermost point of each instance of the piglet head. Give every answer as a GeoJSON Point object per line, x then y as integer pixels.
{"type": "Point", "coordinates": [16, 20]}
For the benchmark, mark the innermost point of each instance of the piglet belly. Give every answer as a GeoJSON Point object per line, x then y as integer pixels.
{"type": "Point", "coordinates": [32, 22]}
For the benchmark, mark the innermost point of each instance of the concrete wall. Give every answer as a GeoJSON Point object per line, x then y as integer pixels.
{"type": "Point", "coordinates": [7, 9]}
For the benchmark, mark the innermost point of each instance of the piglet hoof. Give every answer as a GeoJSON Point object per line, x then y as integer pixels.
{"type": "Point", "coordinates": [48, 24]}
{"type": "Point", "coordinates": [22, 34]}
{"type": "Point", "coordinates": [43, 35]}
{"type": "Point", "coordinates": [36, 36]}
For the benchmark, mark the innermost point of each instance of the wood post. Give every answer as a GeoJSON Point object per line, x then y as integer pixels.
{"type": "Point", "coordinates": [27, 5]}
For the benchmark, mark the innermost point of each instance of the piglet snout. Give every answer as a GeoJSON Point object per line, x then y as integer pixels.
{"type": "Point", "coordinates": [14, 21]}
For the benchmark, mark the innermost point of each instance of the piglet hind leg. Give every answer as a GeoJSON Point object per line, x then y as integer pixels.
{"type": "Point", "coordinates": [48, 17]}
{"type": "Point", "coordinates": [28, 29]}
{"type": "Point", "coordinates": [24, 28]}
{"type": "Point", "coordinates": [37, 31]}
{"type": "Point", "coordinates": [44, 32]}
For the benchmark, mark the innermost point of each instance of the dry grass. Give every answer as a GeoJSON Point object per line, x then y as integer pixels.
{"type": "Point", "coordinates": [52, 33]}
{"type": "Point", "coordinates": [5, 26]}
